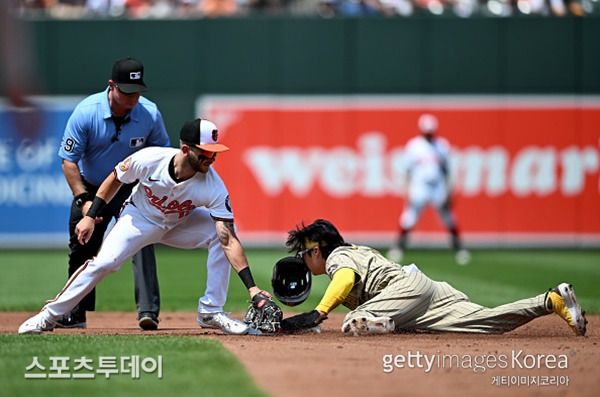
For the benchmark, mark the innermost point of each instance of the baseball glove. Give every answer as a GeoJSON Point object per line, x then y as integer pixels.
{"type": "Point", "coordinates": [264, 315]}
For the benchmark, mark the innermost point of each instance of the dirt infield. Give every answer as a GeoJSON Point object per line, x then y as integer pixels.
{"type": "Point", "coordinates": [330, 364]}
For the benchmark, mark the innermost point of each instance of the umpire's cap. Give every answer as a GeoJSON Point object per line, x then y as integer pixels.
{"type": "Point", "coordinates": [128, 76]}
{"type": "Point", "coordinates": [291, 281]}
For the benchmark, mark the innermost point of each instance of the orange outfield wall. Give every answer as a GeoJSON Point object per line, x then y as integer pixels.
{"type": "Point", "coordinates": [522, 168]}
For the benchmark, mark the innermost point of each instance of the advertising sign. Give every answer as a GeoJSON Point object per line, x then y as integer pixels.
{"type": "Point", "coordinates": [524, 169]}
{"type": "Point", "coordinates": [34, 196]}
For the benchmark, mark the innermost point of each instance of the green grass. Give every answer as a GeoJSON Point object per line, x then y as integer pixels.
{"type": "Point", "coordinates": [201, 366]}
{"type": "Point", "coordinates": [494, 277]}
{"type": "Point", "coordinates": [190, 367]}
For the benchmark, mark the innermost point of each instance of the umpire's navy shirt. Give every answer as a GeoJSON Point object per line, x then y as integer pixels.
{"type": "Point", "coordinates": [89, 136]}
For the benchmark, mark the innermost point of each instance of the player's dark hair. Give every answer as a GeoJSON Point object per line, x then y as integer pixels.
{"type": "Point", "coordinates": [321, 231]}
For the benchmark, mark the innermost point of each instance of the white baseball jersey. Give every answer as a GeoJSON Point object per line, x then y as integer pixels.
{"type": "Point", "coordinates": [424, 160]}
{"type": "Point", "coordinates": [163, 200]}
{"type": "Point", "coordinates": [159, 210]}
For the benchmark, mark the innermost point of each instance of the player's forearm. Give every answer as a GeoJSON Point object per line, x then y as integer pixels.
{"type": "Point", "coordinates": [109, 188]}
{"type": "Point", "coordinates": [243, 270]}
{"type": "Point", "coordinates": [235, 254]}
{"type": "Point", "coordinates": [337, 291]}
{"type": "Point", "coordinates": [231, 245]}
{"type": "Point", "coordinates": [106, 192]}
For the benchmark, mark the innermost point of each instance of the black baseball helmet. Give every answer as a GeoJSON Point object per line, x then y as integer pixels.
{"type": "Point", "coordinates": [291, 281]}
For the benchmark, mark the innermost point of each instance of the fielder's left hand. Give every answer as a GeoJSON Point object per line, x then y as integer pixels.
{"type": "Point", "coordinates": [85, 229]}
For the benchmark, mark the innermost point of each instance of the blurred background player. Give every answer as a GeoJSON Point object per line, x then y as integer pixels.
{"type": "Point", "coordinates": [427, 183]}
{"type": "Point", "coordinates": [104, 129]}
{"type": "Point", "coordinates": [18, 79]}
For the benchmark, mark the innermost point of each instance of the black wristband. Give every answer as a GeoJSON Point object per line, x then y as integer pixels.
{"type": "Point", "coordinates": [82, 198]}
{"type": "Point", "coordinates": [96, 207]}
{"type": "Point", "coordinates": [246, 277]}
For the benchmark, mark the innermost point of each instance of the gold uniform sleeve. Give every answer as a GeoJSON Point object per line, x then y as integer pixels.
{"type": "Point", "coordinates": [339, 288]}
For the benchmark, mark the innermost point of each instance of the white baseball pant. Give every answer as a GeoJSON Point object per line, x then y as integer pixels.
{"type": "Point", "coordinates": [422, 194]}
{"type": "Point", "coordinates": [133, 231]}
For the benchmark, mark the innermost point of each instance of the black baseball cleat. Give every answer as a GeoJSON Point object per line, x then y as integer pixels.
{"type": "Point", "coordinates": [72, 320]}
{"type": "Point", "coordinates": [148, 321]}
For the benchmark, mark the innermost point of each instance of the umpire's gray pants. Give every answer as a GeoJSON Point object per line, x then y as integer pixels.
{"type": "Point", "coordinates": [147, 295]}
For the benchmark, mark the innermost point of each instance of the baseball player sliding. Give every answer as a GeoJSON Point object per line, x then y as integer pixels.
{"type": "Point", "coordinates": [426, 163]}
{"type": "Point", "coordinates": [165, 207]}
{"type": "Point", "coordinates": [384, 297]}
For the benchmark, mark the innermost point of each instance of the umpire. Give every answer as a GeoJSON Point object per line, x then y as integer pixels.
{"type": "Point", "coordinates": [105, 128]}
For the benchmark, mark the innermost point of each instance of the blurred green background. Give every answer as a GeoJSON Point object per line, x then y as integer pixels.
{"type": "Point", "coordinates": [184, 59]}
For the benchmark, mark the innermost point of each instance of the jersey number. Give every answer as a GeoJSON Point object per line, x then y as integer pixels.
{"type": "Point", "coordinates": [68, 146]}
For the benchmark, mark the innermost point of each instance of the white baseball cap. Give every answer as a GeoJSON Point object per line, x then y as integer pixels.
{"type": "Point", "coordinates": [202, 134]}
{"type": "Point", "coordinates": [428, 123]}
